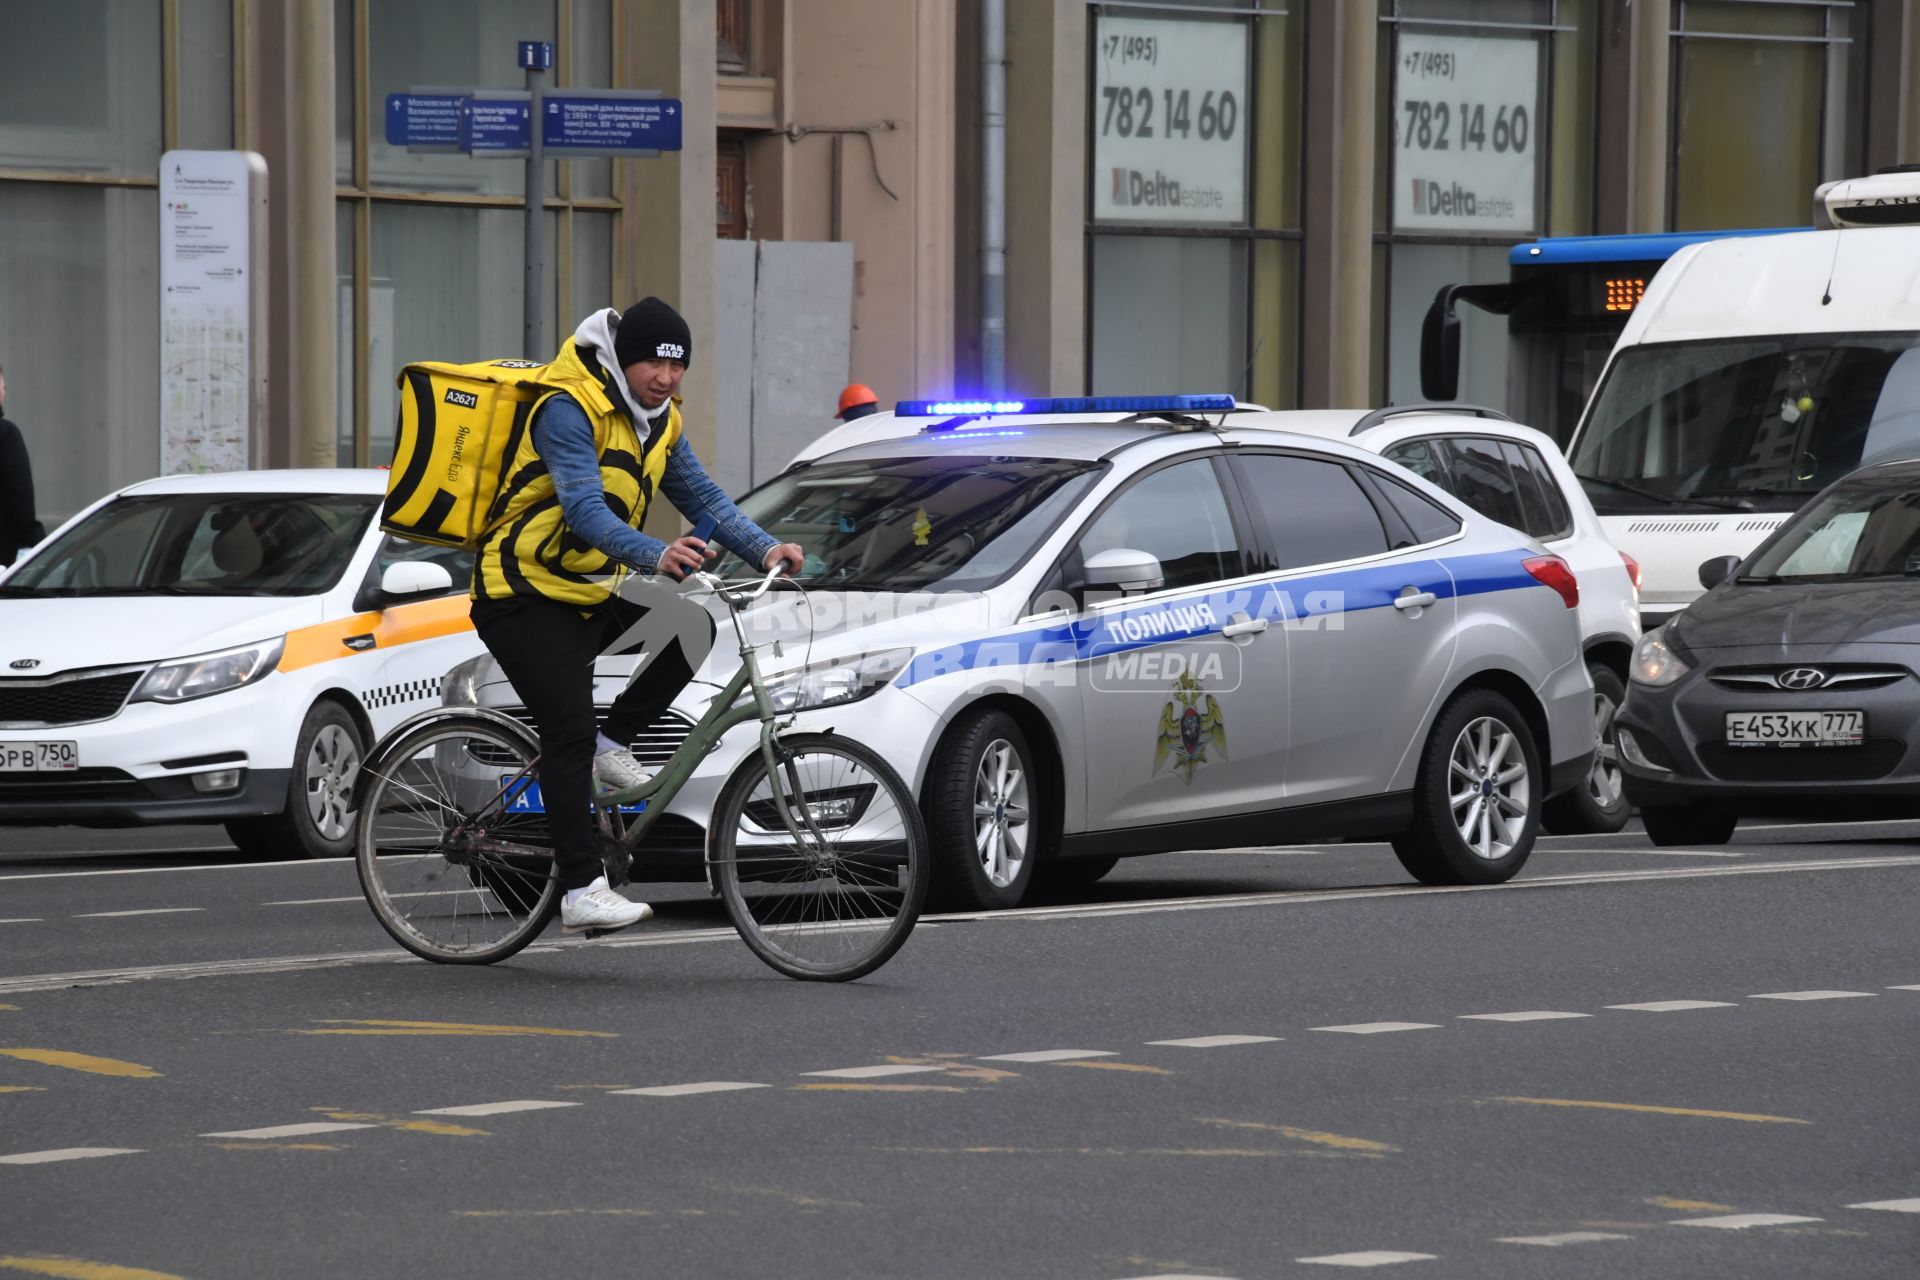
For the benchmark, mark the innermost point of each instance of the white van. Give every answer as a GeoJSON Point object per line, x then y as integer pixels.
{"type": "Point", "coordinates": [1754, 372]}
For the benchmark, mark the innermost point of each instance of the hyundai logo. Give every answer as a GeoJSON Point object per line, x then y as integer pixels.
{"type": "Point", "coordinates": [24, 664]}
{"type": "Point", "coordinates": [1801, 678]}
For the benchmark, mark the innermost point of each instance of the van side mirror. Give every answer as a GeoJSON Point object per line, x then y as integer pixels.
{"type": "Point", "coordinates": [1123, 569]}
{"type": "Point", "coordinates": [415, 578]}
{"type": "Point", "coordinates": [1717, 570]}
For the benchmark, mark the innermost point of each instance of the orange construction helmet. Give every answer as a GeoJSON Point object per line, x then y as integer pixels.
{"type": "Point", "coordinates": [857, 394]}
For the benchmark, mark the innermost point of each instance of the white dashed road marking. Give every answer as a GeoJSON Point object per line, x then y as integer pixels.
{"type": "Point", "coordinates": [1048, 1055]}
{"type": "Point", "coordinates": [1215, 1042]}
{"type": "Point", "coordinates": [149, 911]}
{"type": "Point", "coordinates": [1375, 1028]}
{"type": "Point", "coordinates": [290, 1130]}
{"type": "Point", "coordinates": [314, 902]}
{"type": "Point", "coordinates": [1375, 1258]}
{"type": "Point", "coordinates": [1741, 1221]}
{"type": "Point", "coordinates": [1915, 987]}
{"type": "Point", "coordinates": [1673, 1006]}
{"type": "Point", "coordinates": [68, 1153]}
{"type": "Point", "coordinates": [24, 920]}
{"type": "Point", "coordinates": [1890, 1206]}
{"type": "Point", "coordinates": [1565, 1237]}
{"type": "Point", "coordinates": [1525, 1015]}
{"type": "Point", "coordinates": [683, 1090]}
{"type": "Point", "coordinates": [1813, 995]}
{"type": "Point", "coordinates": [494, 1108]}
{"type": "Point", "coordinates": [869, 1073]}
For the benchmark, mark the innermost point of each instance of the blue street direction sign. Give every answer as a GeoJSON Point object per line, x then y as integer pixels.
{"type": "Point", "coordinates": [608, 122]}
{"type": "Point", "coordinates": [497, 125]}
{"type": "Point", "coordinates": [424, 119]}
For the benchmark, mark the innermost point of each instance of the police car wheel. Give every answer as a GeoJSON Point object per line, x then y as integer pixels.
{"type": "Point", "coordinates": [316, 822]}
{"type": "Point", "coordinates": [982, 814]}
{"type": "Point", "coordinates": [1476, 799]}
{"type": "Point", "coordinates": [1599, 804]}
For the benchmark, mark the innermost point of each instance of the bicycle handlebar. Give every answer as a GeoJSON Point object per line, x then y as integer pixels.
{"type": "Point", "coordinates": [737, 597]}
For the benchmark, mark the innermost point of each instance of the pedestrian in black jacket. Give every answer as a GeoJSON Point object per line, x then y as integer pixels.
{"type": "Point", "coordinates": [18, 527]}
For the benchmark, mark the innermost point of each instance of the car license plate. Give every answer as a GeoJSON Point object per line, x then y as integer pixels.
{"type": "Point", "coordinates": [525, 797]}
{"type": "Point", "coordinates": [38, 757]}
{"type": "Point", "coordinates": [1796, 728]}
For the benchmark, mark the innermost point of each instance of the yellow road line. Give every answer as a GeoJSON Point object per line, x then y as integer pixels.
{"type": "Point", "coordinates": [1695, 1206]}
{"type": "Point", "coordinates": [1658, 1111]}
{"type": "Point", "coordinates": [440, 1127]}
{"type": "Point", "coordinates": [403, 1027]}
{"type": "Point", "coordinates": [1116, 1066]}
{"type": "Point", "coordinates": [279, 1146]}
{"type": "Point", "coordinates": [81, 1269]}
{"type": "Point", "coordinates": [21, 1088]}
{"type": "Point", "coordinates": [10, 1008]}
{"type": "Point", "coordinates": [1318, 1137]}
{"type": "Point", "coordinates": [82, 1062]}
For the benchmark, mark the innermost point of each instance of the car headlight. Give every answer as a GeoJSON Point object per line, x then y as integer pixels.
{"type": "Point", "coordinates": [461, 687]}
{"type": "Point", "coordinates": [829, 684]}
{"type": "Point", "coordinates": [1655, 662]}
{"type": "Point", "coordinates": [209, 673]}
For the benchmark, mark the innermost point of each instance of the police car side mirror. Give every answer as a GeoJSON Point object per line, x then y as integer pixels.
{"type": "Point", "coordinates": [415, 578]}
{"type": "Point", "coordinates": [1718, 570]}
{"type": "Point", "coordinates": [1123, 569]}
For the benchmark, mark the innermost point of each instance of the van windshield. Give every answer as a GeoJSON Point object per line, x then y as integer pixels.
{"type": "Point", "coordinates": [1749, 424]}
{"type": "Point", "coordinates": [916, 524]}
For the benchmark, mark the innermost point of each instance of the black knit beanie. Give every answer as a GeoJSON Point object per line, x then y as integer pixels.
{"type": "Point", "coordinates": [652, 330]}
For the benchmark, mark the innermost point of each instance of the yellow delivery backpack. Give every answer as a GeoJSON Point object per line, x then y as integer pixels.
{"type": "Point", "coordinates": [460, 425]}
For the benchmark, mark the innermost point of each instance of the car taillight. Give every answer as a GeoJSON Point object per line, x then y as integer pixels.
{"type": "Point", "coordinates": [1552, 571]}
{"type": "Point", "coordinates": [1633, 569]}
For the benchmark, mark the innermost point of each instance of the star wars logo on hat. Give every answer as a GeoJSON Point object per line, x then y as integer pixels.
{"type": "Point", "coordinates": [670, 351]}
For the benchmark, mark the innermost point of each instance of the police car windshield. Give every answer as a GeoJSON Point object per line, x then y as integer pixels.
{"type": "Point", "coordinates": [917, 524]}
{"type": "Point", "coordinates": [202, 544]}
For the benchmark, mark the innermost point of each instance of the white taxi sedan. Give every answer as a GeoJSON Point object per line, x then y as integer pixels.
{"type": "Point", "coordinates": [220, 648]}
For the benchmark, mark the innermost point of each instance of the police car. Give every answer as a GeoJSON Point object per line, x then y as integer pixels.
{"type": "Point", "coordinates": [220, 648]}
{"type": "Point", "coordinates": [1087, 629]}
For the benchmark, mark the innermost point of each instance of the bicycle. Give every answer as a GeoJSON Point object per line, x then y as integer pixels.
{"type": "Point", "coordinates": [816, 846]}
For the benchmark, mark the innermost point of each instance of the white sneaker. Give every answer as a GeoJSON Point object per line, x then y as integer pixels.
{"type": "Point", "coordinates": [598, 909]}
{"type": "Point", "coordinates": [617, 770]}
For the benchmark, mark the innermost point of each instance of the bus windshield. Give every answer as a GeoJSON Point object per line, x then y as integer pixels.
{"type": "Point", "coordinates": [1750, 424]}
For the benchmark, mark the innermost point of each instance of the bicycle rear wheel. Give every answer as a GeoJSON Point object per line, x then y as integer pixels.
{"type": "Point", "coordinates": [454, 853]}
{"type": "Point", "coordinates": [838, 901]}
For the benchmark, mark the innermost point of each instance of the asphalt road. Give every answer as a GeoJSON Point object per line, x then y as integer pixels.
{"type": "Point", "coordinates": [1629, 1062]}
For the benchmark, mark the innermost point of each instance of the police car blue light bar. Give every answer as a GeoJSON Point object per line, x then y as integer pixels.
{"type": "Point", "coordinates": [1064, 404]}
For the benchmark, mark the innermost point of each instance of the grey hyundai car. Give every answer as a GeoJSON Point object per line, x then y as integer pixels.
{"type": "Point", "coordinates": [1790, 688]}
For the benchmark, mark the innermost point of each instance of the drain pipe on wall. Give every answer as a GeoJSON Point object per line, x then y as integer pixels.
{"type": "Point", "coordinates": [993, 196]}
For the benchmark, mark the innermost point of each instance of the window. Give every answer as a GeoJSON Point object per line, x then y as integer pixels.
{"type": "Point", "coordinates": [1482, 479]}
{"type": "Point", "coordinates": [1429, 521]}
{"type": "Point", "coordinates": [1177, 514]}
{"type": "Point", "coordinates": [1535, 482]}
{"type": "Point", "coordinates": [1422, 458]}
{"type": "Point", "coordinates": [1313, 511]}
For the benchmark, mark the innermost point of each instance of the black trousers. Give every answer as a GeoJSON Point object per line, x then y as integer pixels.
{"type": "Point", "coordinates": [547, 651]}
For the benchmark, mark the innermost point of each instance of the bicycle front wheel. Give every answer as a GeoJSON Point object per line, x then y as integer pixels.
{"type": "Point", "coordinates": [837, 900]}
{"type": "Point", "coordinates": [454, 853]}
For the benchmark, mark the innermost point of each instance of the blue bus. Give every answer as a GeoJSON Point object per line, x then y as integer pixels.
{"type": "Point", "coordinates": [1566, 299]}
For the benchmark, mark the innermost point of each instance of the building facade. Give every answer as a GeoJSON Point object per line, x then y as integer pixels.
{"type": "Point", "coordinates": [1251, 195]}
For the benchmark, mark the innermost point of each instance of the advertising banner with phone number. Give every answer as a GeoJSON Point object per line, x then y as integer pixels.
{"type": "Point", "coordinates": [1467, 133]}
{"type": "Point", "coordinates": [1170, 120]}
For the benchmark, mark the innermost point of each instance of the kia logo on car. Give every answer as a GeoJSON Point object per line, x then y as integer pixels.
{"type": "Point", "coordinates": [24, 664]}
{"type": "Point", "coordinates": [1802, 678]}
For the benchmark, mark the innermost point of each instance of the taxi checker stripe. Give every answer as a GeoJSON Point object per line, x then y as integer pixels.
{"type": "Point", "coordinates": [1310, 596]}
{"type": "Point", "coordinates": [393, 695]}
{"type": "Point", "coordinates": [390, 628]}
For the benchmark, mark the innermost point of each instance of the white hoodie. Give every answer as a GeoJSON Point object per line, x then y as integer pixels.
{"type": "Point", "coordinates": [597, 331]}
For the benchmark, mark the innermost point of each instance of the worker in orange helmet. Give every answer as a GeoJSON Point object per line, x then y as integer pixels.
{"type": "Point", "coordinates": [857, 401]}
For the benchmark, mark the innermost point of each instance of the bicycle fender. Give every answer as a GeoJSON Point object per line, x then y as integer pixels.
{"type": "Point", "coordinates": [376, 760]}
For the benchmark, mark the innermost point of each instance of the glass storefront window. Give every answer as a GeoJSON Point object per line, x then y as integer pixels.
{"type": "Point", "coordinates": [1170, 314]}
{"type": "Point", "coordinates": [86, 260]}
{"type": "Point", "coordinates": [1757, 121]}
{"type": "Point", "coordinates": [81, 89]}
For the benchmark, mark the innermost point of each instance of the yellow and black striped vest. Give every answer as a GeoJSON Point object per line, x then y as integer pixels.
{"type": "Point", "coordinates": [528, 550]}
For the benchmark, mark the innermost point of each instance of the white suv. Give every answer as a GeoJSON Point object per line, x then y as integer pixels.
{"type": "Point", "coordinates": [1518, 476]}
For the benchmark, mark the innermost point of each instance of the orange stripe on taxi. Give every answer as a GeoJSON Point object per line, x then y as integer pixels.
{"type": "Point", "coordinates": [388, 628]}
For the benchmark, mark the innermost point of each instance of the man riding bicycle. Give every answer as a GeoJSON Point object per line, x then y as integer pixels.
{"type": "Point", "coordinates": [544, 600]}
